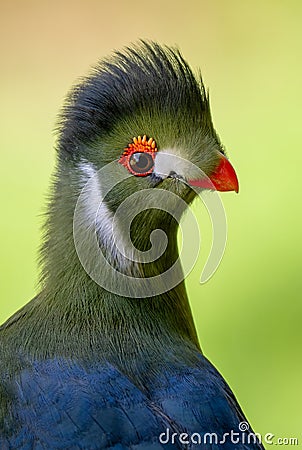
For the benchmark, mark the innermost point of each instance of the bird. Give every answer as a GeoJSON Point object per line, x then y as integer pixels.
{"type": "Point", "coordinates": [94, 361]}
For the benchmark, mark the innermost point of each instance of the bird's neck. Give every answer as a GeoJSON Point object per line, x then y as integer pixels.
{"type": "Point", "coordinates": [91, 318]}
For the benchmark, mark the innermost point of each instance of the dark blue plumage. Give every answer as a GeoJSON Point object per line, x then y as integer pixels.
{"type": "Point", "coordinates": [65, 404]}
{"type": "Point", "coordinates": [82, 367]}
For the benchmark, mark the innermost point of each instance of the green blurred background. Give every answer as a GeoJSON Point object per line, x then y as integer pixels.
{"type": "Point", "coordinates": [249, 314]}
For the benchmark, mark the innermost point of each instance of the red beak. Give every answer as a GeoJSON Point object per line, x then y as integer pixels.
{"type": "Point", "coordinates": [223, 178]}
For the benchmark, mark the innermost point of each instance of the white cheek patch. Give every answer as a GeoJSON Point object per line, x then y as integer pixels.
{"type": "Point", "coordinates": [93, 194]}
{"type": "Point", "coordinates": [170, 160]}
{"type": "Point", "coordinates": [96, 213]}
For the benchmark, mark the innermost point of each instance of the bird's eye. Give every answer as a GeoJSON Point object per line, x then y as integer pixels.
{"type": "Point", "coordinates": [139, 156]}
{"type": "Point", "coordinates": [141, 163]}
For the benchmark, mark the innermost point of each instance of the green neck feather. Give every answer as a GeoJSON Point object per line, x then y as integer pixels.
{"type": "Point", "coordinates": [78, 317]}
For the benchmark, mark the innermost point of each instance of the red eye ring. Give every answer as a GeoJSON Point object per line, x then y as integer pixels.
{"type": "Point", "coordinates": [139, 146]}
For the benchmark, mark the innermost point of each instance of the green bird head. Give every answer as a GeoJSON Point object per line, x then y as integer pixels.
{"type": "Point", "coordinates": [150, 91]}
{"type": "Point", "coordinates": [135, 136]}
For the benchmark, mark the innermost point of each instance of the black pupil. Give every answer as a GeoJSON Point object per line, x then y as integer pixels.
{"type": "Point", "coordinates": [141, 162]}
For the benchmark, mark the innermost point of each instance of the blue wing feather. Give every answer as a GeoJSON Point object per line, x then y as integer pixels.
{"type": "Point", "coordinates": [63, 404]}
